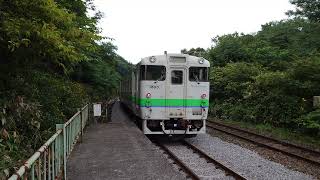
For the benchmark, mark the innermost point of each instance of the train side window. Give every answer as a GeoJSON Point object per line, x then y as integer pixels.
{"type": "Point", "coordinates": [176, 77]}
{"type": "Point", "coordinates": [152, 73]}
{"type": "Point", "coordinates": [198, 74]}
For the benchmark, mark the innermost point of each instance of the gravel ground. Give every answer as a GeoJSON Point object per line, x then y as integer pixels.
{"type": "Point", "coordinates": [246, 162]}
{"type": "Point", "coordinates": [289, 162]}
{"type": "Point", "coordinates": [199, 165]}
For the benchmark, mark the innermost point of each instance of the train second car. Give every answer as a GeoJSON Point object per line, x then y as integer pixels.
{"type": "Point", "coordinates": [169, 93]}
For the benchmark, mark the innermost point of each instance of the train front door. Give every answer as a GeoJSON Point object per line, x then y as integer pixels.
{"type": "Point", "coordinates": [175, 101]}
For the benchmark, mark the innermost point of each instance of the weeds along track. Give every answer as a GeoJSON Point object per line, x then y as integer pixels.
{"type": "Point", "coordinates": [195, 163]}
{"type": "Point", "coordinates": [292, 150]}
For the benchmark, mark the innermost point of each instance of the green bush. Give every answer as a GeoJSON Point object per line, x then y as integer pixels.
{"type": "Point", "coordinates": [59, 95]}
{"type": "Point", "coordinates": [305, 75]}
{"type": "Point", "coordinates": [310, 123]}
{"type": "Point", "coordinates": [29, 109]}
{"type": "Point", "coordinates": [233, 80]}
{"type": "Point", "coordinates": [248, 92]}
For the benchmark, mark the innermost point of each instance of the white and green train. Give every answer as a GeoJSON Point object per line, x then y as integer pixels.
{"type": "Point", "coordinates": [169, 93]}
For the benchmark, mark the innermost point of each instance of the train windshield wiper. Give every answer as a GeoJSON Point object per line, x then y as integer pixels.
{"type": "Point", "coordinates": [160, 78]}
{"type": "Point", "coordinates": [196, 77]}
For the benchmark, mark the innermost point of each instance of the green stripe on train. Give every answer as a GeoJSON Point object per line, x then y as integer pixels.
{"type": "Point", "coordinates": [170, 102]}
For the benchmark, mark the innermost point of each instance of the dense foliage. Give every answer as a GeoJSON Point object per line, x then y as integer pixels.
{"type": "Point", "coordinates": [269, 77]}
{"type": "Point", "coordinates": [250, 92]}
{"type": "Point", "coordinates": [199, 52]}
{"type": "Point", "coordinates": [306, 8]}
{"type": "Point", "coordinates": [52, 61]}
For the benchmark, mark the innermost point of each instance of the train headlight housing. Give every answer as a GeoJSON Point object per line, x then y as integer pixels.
{"type": "Point", "coordinates": [201, 61]}
{"type": "Point", "coordinates": [197, 124]}
{"type": "Point", "coordinates": [148, 95]}
{"type": "Point", "coordinates": [152, 59]}
{"type": "Point", "coordinates": [203, 96]}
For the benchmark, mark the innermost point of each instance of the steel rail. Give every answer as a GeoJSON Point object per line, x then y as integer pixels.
{"type": "Point", "coordinates": [190, 173]}
{"type": "Point", "coordinates": [269, 138]}
{"type": "Point", "coordinates": [252, 140]}
{"type": "Point", "coordinates": [180, 163]}
{"type": "Point", "coordinates": [210, 159]}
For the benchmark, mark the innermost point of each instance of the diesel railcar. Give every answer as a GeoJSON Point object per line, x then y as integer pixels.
{"type": "Point", "coordinates": [169, 93]}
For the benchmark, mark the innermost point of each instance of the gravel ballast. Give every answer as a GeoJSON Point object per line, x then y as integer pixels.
{"type": "Point", "coordinates": [278, 157]}
{"type": "Point", "coordinates": [244, 161]}
{"type": "Point", "coordinates": [198, 165]}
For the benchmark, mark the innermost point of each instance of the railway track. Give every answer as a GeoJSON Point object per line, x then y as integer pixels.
{"type": "Point", "coordinates": [197, 164]}
{"type": "Point", "coordinates": [299, 152]}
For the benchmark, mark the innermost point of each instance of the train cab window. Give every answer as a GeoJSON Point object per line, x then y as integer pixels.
{"type": "Point", "coordinates": [152, 73]}
{"type": "Point", "coordinates": [198, 74]}
{"type": "Point", "coordinates": [176, 77]}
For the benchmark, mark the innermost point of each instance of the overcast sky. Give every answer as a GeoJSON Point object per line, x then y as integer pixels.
{"type": "Point", "coordinates": [150, 27]}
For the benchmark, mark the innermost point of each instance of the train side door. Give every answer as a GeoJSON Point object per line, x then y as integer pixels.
{"type": "Point", "coordinates": [175, 102]}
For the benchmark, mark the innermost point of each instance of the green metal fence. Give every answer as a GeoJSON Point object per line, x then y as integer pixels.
{"type": "Point", "coordinates": [50, 161]}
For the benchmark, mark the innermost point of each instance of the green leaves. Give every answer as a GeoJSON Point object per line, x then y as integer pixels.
{"type": "Point", "coordinates": [306, 8]}
{"type": "Point", "coordinates": [46, 31]}
{"type": "Point", "coordinates": [276, 45]}
{"type": "Point", "coordinates": [199, 52]}
{"type": "Point", "coordinates": [13, 45]}
{"type": "Point", "coordinates": [248, 92]}
{"type": "Point", "coordinates": [232, 80]}
{"type": "Point", "coordinates": [311, 122]}
{"type": "Point", "coordinates": [228, 48]}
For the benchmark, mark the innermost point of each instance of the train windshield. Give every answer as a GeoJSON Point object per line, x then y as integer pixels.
{"type": "Point", "coordinates": [198, 74]}
{"type": "Point", "coordinates": [152, 72]}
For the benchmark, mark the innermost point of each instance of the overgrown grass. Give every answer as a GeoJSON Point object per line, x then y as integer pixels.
{"type": "Point", "coordinates": [276, 132]}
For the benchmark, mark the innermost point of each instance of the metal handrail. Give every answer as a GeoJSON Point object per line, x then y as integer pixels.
{"type": "Point", "coordinates": [50, 161]}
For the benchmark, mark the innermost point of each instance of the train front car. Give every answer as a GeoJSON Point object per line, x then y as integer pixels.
{"type": "Point", "coordinates": [172, 94]}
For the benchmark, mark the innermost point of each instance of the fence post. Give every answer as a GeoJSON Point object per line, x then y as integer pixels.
{"type": "Point", "coordinates": [61, 126]}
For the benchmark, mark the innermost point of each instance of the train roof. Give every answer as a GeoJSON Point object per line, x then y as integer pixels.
{"type": "Point", "coordinates": [174, 59]}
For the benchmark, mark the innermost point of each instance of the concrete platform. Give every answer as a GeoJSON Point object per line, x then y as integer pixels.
{"type": "Point", "coordinates": [118, 150]}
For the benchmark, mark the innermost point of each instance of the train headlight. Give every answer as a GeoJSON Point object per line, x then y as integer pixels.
{"type": "Point", "coordinates": [203, 96]}
{"type": "Point", "coordinates": [152, 59]}
{"type": "Point", "coordinates": [148, 95]}
{"type": "Point", "coordinates": [201, 61]}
